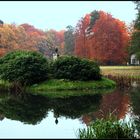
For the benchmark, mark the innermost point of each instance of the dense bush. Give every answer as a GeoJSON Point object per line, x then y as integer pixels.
{"type": "Point", "coordinates": [25, 67]}
{"type": "Point", "coordinates": [108, 129]}
{"type": "Point", "coordinates": [74, 68]}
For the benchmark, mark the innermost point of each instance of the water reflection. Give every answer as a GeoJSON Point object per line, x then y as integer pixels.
{"type": "Point", "coordinates": [27, 109]}
{"type": "Point", "coordinates": [33, 109]}
{"type": "Point", "coordinates": [135, 104]}
{"type": "Point", "coordinates": [116, 103]}
{"type": "Point", "coordinates": [74, 107]}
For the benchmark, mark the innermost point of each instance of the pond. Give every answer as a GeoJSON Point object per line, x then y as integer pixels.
{"type": "Point", "coordinates": [35, 116]}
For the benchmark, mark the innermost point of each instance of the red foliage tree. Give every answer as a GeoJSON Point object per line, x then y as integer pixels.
{"type": "Point", "coordinates": [32, 30]}
{"type": "Point", "coordinates": [80, 39]}
{"type": "Point", "coordinates": [108, 41]}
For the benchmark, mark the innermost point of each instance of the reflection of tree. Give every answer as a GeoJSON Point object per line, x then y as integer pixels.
{"type": "Point", "coordinates": [115, 103]}
{"type": "Point", "coordinates": [75, 107]}
{"type": "Point", "coordinates": [29, 110]}
{"type": "Point", "coordinates": [135, 103]}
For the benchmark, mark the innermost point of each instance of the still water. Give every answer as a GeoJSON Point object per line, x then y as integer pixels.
{"type": "Point", "coordinates": [34, 116]}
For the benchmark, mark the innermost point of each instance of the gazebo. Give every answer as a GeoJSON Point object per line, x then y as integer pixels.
{"type": "Point", "coordinates": [134, 60]}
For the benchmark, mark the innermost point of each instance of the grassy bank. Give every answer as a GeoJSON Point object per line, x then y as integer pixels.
{"type": "Point", "coordinates": [55, 88]}
{"type": "Point", "coordinates": [58, 85]}
{"type": "Point", "coordinates": [65, 88]}
{"type": "Point", "coordinates": [128, 71]}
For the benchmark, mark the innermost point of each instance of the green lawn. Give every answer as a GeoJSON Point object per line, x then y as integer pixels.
{"type": "Point", "coordinates": [66, 88]}
{"type": "Point", "coordinates": [129, 71]}
{"type": "Point", "coordinates": [56, 85]}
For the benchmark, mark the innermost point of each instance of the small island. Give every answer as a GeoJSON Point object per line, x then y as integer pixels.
{"type": "Point", "coordinates": [32, 72]}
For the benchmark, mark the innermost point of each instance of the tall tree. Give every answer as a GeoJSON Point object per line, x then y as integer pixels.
{"type": "Point", "coordinates": [80, 37]}
{"type": "Point", "coordinates": [134, 46]}
{"type": "Point", "coordinates": [105, 38]}
{"type": "Point", "coordinates": [69, 40]}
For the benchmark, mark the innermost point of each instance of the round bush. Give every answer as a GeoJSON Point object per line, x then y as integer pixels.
{"type": "Point", "coordinates": [25, 67]}
{"type": "Point", "coordinates": [74, 68]}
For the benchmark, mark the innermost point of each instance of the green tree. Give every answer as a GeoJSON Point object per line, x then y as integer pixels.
{"type": "Point", "coordinates": [137, 5]}
{"type": "Point", "coordinates": [135, 37]}
{"type": "Point", "coordinates": [69, 40]}
{"type": "Point", "coordinates": [94, 16]}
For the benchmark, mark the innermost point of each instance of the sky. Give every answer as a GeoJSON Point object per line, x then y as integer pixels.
{"type": "Point", "coordinates": [57, 15]}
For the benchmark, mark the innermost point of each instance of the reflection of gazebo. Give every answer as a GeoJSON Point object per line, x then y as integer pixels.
{"type": "Point", "coordinates": [1, 22]}
{"type": "Point", "coordinates": [1, 117]}
{"type": "Point", "coordinates": [56, 115]}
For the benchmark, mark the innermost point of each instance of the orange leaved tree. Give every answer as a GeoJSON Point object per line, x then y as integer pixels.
{"type": "Point", "coordinates": [101, 37]}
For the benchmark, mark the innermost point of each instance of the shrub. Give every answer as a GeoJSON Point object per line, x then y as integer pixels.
{"type": "Point", "coordinates": [107, 129]}
{"type": "Point", "coordinates": [25, 67]}
{"type": "Point", "coordinates": [74, 68]}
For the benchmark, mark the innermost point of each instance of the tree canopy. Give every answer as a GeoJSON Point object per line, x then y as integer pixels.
{"type": "Point", "coordinates": [107, 40]}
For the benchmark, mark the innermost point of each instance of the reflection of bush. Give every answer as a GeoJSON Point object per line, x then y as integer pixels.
{"type": "Point", "coordinates": [29, 110]}
{"type": "Point", "coordinates": [74, 107]}
{"type": "Point", "coordinates": [135, 99]}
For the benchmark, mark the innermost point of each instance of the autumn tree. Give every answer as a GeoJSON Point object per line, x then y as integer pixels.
{"type": "Point", "coordinates": [101, 37]}
{"type": "Point", "coordinates": [9, 38]}
{"type": "Point", "coordinates": [44, 42]}
{"type": "Point", "coordinates": [69, 40]}
{"type": "Point", "coordinates": [27, 37]}
{"type": "Point", "coordinates": [34, 36]}
{"type": "Point", "coordinates": [13, 37]}
{"type": "Point", "coordinates": [56, 38]}
{"type": "Point", "coordinates": [80, 37]}
{"type": "Point", "coordinates": [22, 37]}
{"type": "Point", "coordinates": [30, 29]}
